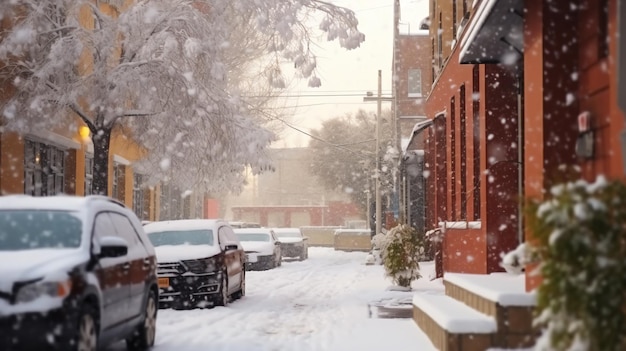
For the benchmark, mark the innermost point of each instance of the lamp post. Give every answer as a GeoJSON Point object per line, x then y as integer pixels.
{"type": "Point", "coordinates": [379, 99]}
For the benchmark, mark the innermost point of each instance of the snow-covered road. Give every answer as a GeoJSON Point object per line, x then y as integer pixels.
{"type": "Point", "coordinates": [317, 304]}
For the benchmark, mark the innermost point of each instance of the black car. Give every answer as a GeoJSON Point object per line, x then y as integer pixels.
{"type": "Point", "coordinates": [76, 273]}
{"type": "Point", "coordinates": [200, 263]}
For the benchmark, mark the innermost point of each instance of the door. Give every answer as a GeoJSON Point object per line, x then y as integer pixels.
{"type": "Point", "coordinates": [277, 248]}
{"type": "Point", "coordinates": [233, 258]}
{"type": "Point", "coordinates": [113, 276]}
{"type": "Point", "coordinates": [137, 258]}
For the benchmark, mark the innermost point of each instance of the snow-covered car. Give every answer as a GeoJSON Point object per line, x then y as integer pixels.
{"type": "Point", "coordinates": [293, 243]}
{"type": "Point", "coordinates": [75, 273]}
{"type": "Point", "coordinates": [200, 262]}
{"type": "Point", "coordinates": [262, 248]}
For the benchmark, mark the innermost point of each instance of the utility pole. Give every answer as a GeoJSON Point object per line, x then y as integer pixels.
{"type": "Point", "coordinates": [379, 99]}
{"type": "Point", "coordinates": [379, 209]}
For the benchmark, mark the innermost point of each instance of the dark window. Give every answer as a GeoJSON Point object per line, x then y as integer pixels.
{"type": "Point", "coordinates": [464, 7]}
{"type": "Point", "coordinates": [603, 31]}
{"type": "Point", "coordinates": [452, 173]}
{"type": "Point", "coordinates": [125, 229]}
{"type": "Point", "coordinates": [44, 169]}
{"type": "Point", "coordinates": [38, 229]}
{"type": "Point", "coordinates": [476, 138]}
{"type": "Point", "coordinates": [440, 42]}
{"type": "Point", "coordinates": [440, 164]}
{"type": "Point", "coordinates": [103, 226]}
{"type": "Point", "coordinates": [432, 65]}
{"type": "Point", "coordinates": [463, 137]}
{"type": "Point", "coordinates": [454, 16]}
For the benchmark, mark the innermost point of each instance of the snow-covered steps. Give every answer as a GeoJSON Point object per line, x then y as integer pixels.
{"type": "Point", "coordinates": [452, 325]}
{"type": "Point", "coordinates": [478, 312]}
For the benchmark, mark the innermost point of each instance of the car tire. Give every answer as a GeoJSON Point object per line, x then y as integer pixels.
{"type": "Point", "coordinates": [242, 286]}
{"type": "Point", "coordinates": [222, 299]}
{"type": "Point", "coordinates": [86, 337]}
{"type": "Point", "coordinates": [143, 337]}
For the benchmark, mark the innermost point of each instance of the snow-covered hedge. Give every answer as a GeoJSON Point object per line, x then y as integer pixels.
{"type": "Point", "coordinates": [581, 246]}
{"type": "Point", "coordinates": [401, 248]}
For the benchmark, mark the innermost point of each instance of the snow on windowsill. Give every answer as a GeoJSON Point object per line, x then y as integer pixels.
{"type": "Point", "coordinates": [502, 288]}
{"type": "Point", "coordinates": [460, 225]}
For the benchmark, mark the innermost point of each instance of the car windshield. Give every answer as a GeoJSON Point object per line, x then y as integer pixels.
{"type": "Point", "coordinates": [39, 229]}
{"type": "Point", "coordinates": [253, 237]}
{"type": "Point", "coordinates": [288, 234]}
{"type": "Point", "coordinates": [182, 237]}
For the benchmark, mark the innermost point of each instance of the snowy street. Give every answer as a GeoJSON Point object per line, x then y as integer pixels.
{"type": "Point", "coordinates": [317, 304]}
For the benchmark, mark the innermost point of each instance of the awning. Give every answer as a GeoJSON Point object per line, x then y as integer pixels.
{"type": "Point", "coordinates": [418, 128]}
{"type": "Point", "coordinates": [495, 33]}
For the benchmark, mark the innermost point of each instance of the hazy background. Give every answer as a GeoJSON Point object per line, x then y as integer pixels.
{"type": "Point", "coordinates": [347, 75]}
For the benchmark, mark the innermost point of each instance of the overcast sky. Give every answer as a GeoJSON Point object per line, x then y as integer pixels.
{"type": "Point", "coordinates": [348, 75]}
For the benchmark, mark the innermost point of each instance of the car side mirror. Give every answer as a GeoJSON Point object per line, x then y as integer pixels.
{"type": "Point", "coordinates": [231, 246]}
{"type": "Point", "coordinates": [277, 243]}
{"type": "Point", "coordinates": [305, 238]}
{"type": "Point", "coordinates": [113, 246]}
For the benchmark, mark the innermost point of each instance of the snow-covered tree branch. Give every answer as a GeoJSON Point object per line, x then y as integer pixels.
{"type": "Point", "coordinates": [173, 73]}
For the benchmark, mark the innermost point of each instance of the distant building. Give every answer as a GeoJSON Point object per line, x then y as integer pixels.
{"type": "Point", "coordinates": [290, 196]}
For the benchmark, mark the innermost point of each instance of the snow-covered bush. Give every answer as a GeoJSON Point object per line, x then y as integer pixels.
{"type": "Point", "coordinates": [401, 248]}
{"type": "Point", "coordinates": [515, 261]}
{"type": "Point", "coordinates": [580, 236]}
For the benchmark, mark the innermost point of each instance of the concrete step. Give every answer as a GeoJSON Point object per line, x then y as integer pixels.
{"type": "Point", "coordinates": [452, 325]}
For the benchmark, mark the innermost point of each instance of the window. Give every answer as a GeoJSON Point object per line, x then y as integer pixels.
{"type": "Point", "coordinates": [454, 16]}
{"type": "Point", "coordinates": [415, 83]}
{"type": "Point", "coordinates": [440, 41]}
{"type": "Point", "coordinates": [476, 138]}
{"type": "Point", "coordinates": [463, 137]}
{"type": "Point", "coordinates": [124, 229]}
{"type": "Point", "coordinates": [139, 197]}
{"type": "Point", "coordinates": [603, 32]}
{"type": "Point", "coordinates": [452, 173]}
{"type": "Point", "coordinates": [44, 169]}
{"type": "Point", "coordinates": [88, 175]}
{"type": "Point", "coordinates": [103, 226]}
{"type": "Point", "coordinates": [119, 175]}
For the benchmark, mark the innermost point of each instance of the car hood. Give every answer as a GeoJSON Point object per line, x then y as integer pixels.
{"type": "Point", "coordinates": [259, 246]}
{"type": "Point", "coordinates": [288, 240]}
{"type": "Point", "coordinates": [25, 265]}
{"type": "Point", "coordinates": [175, 253]}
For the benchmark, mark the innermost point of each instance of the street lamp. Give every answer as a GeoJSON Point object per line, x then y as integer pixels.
{"type": "Point", "coordinates": [379, 99]}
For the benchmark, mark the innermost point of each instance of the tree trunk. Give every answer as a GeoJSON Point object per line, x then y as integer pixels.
{"type": "Point", "coordinates": [101, 140]}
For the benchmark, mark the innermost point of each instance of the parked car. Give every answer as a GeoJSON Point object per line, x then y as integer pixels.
{"type": "Point", "coordinates": [200, 262]}
{"type": "Point", "coordinates": [262, 248]}
{"type": "Point", "coordinates": [293, 243]}
{"type": "Point", "coordinates": [76, 273]}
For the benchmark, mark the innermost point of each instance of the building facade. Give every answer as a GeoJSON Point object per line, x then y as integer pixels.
{"type": "Point", "coordinates": [516, 105]}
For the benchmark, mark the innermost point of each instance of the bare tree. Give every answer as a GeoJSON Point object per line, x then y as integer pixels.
{"type": "Point", "coordinates": [157, 70]}
{"type": "Point", "coordinates": [343, 154]}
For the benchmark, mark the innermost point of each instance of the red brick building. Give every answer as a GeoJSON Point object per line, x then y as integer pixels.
{"type": "Point", "coordinates": [508, 88]}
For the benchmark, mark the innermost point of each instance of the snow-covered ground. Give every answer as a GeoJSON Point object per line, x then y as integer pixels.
{"type": "Point", "coordinates": [318, 304]}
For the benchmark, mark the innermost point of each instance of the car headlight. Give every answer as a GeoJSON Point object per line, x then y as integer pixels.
{"type": "Point", "coordinates": [33, 291]}
{"type": "Point", "coordinates": [205, 265]}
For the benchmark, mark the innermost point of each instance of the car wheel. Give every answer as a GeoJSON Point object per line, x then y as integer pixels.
{"type": "Point", "coordinates": [222, 299]}
{"type": "Point", "coordinates": [242, 286]}
{"type": "Point", "coordinates": [86, 338]}
{"type": "Point", "coordinates": [143, 336]}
